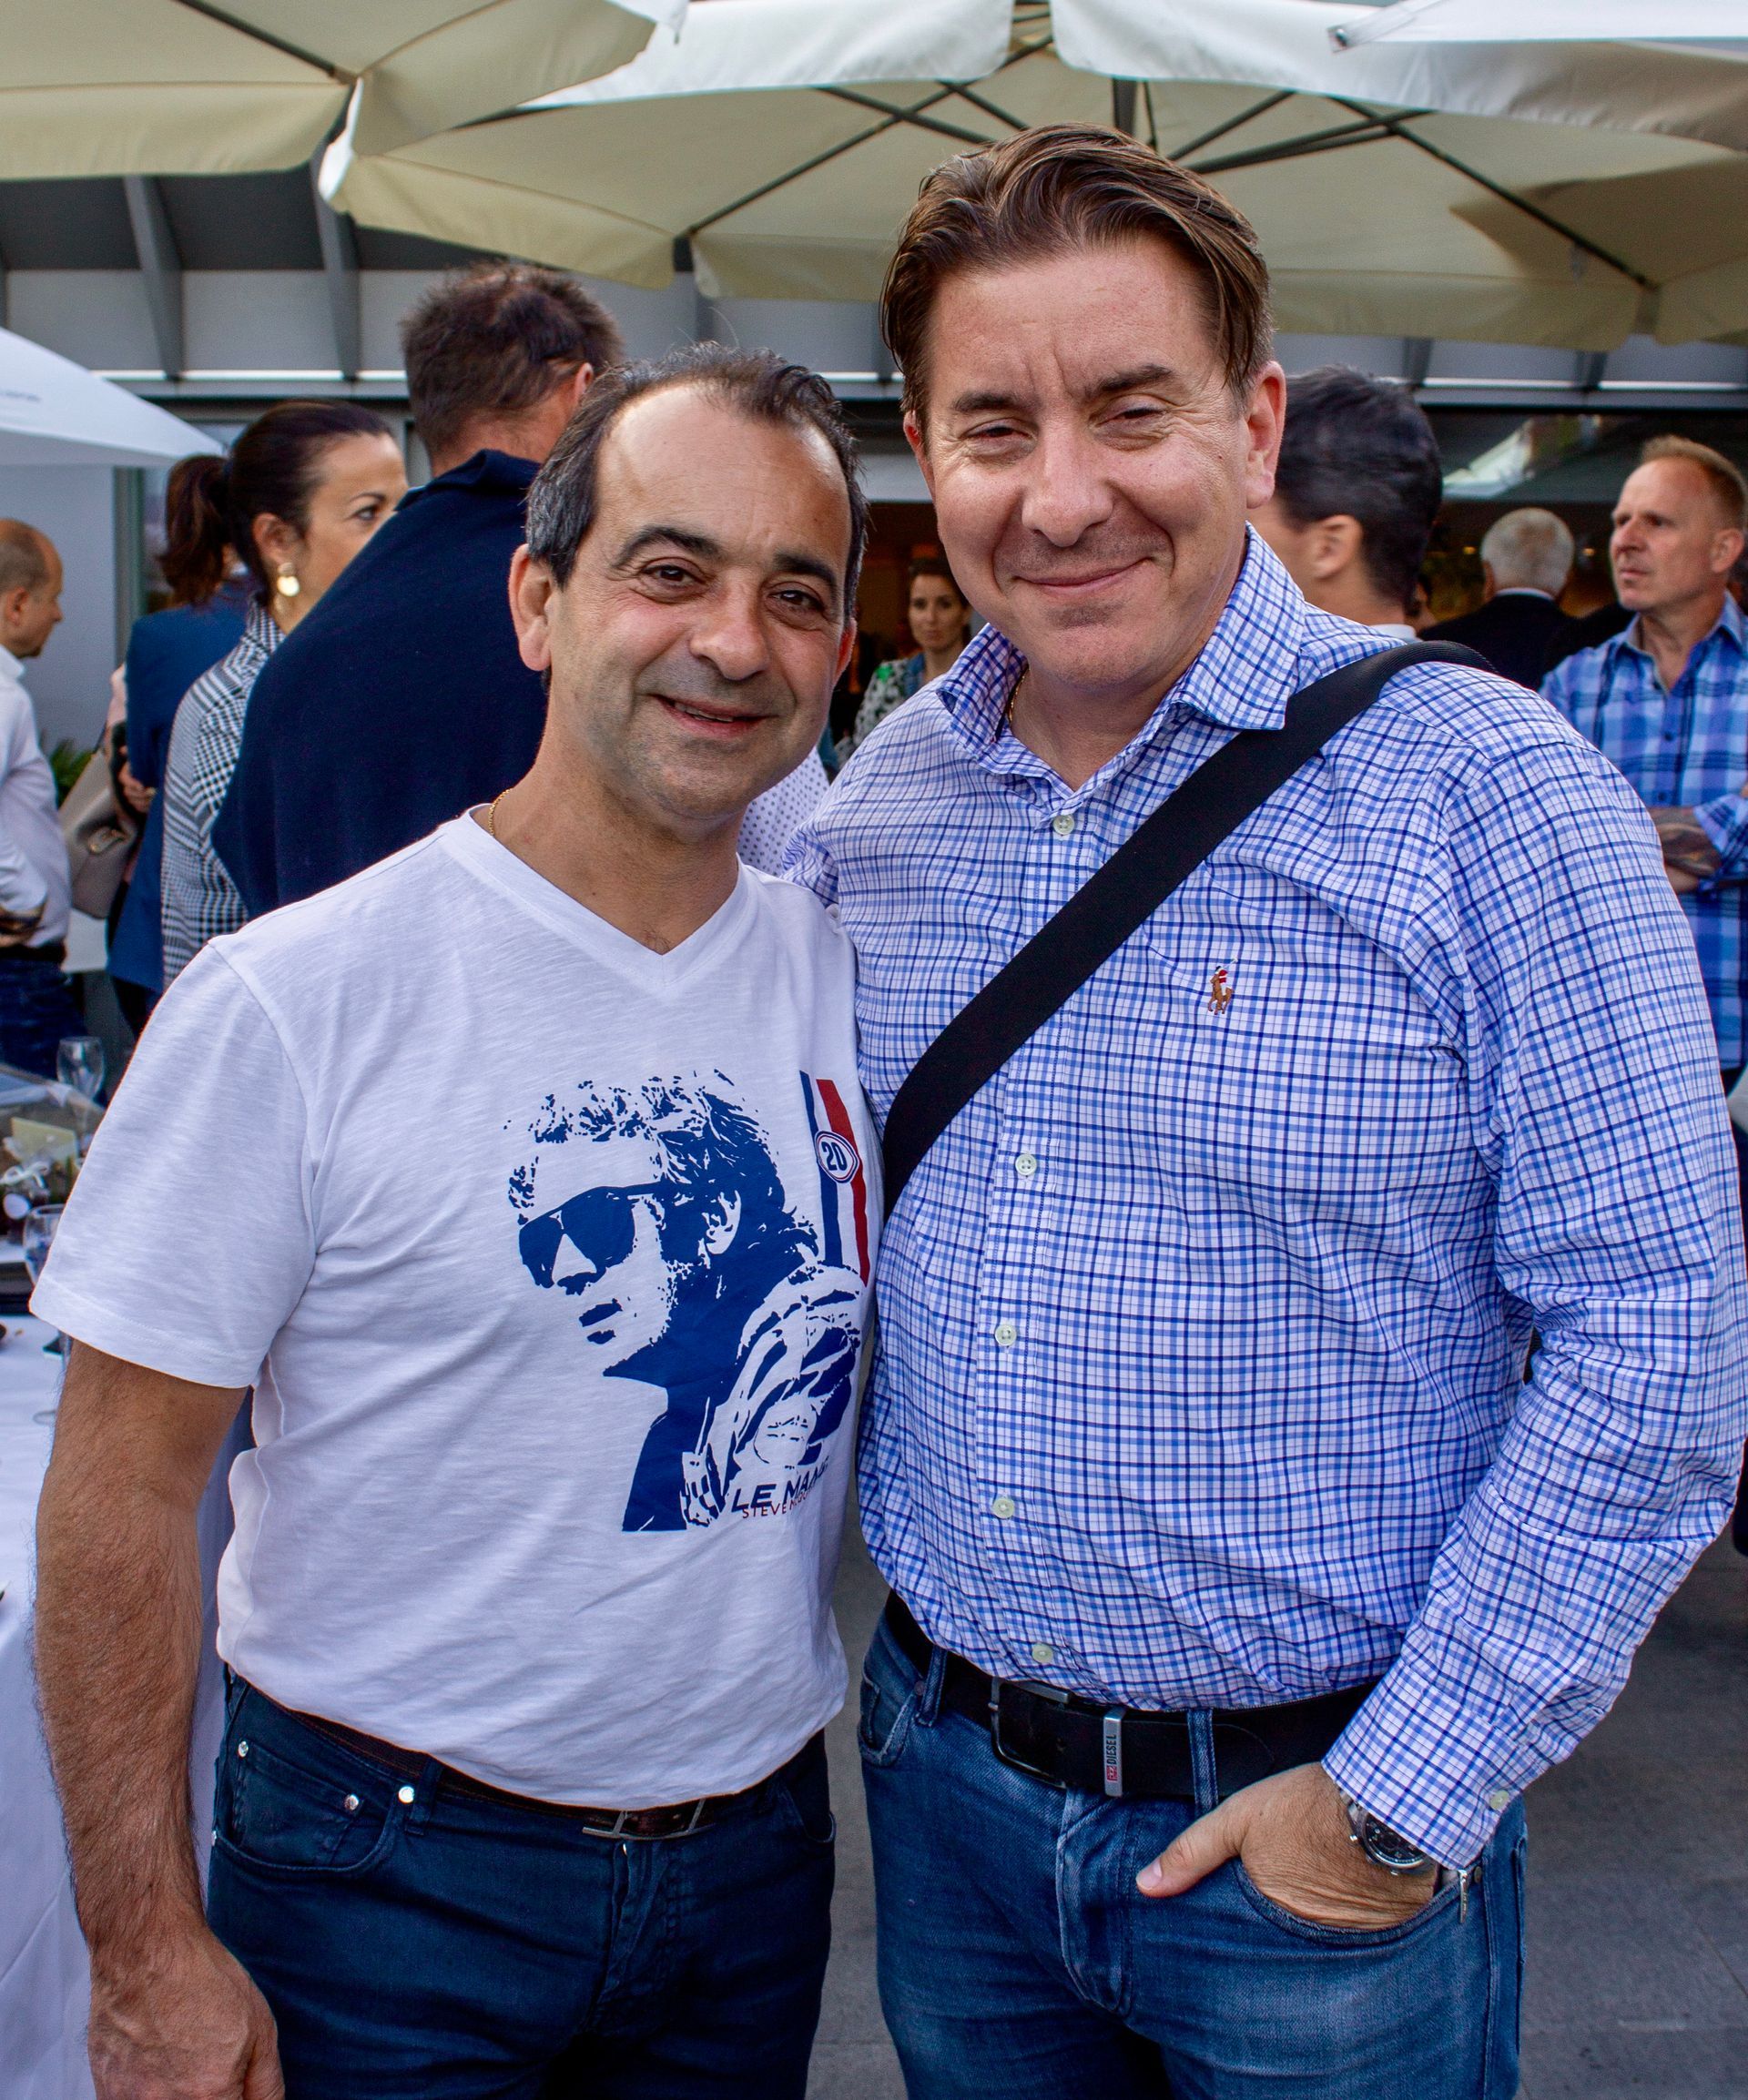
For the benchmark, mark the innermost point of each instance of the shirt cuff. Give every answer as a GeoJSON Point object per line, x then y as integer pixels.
{"type": "Point", "coordinates": [1724, 821]}
{"type": "Point", "coordinates": [1421, 1759]}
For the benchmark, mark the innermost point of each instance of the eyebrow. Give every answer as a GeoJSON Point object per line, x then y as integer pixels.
{"type": "Point", "coordinates": [788, 562]}
{"type": "Point", "coordinates": [984, 402]}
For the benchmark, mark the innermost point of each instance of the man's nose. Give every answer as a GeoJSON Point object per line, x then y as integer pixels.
{"type": "Point", "coordinates": [571, 1261]}
{"type": "Point", "coordinates": [1067, 490]}
{"type": "Point", "coordinates": [730, 636]}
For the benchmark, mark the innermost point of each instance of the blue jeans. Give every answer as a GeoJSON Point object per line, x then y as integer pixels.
{"type": "Point", "coordinates": [452, 1946]}
{"type": "Point", "coordinates": [1018, 1962]}
{"type": "Point", "coordinates": [37, 1009]}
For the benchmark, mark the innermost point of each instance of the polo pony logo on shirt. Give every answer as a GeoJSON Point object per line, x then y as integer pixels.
{"type": "Point", "coordinates": [1220, 990]}
{"type": "Point", "coordinates": [659, 1210]}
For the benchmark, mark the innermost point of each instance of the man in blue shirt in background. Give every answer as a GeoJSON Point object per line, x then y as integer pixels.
{"type": "Point", "coordinates": [1242, 1583]}
{"type": "Point", "coordinates": [1667, 700]}
{"type": "Point", "coordinates": [402, 700]}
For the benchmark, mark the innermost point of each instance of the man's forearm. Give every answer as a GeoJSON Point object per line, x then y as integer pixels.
{"type": "Point", "coordinates": [118, 1623]}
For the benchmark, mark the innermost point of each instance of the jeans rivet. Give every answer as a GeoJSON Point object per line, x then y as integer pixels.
{"type": "Point", "coordinates": [242, 1749]}
{"type": "Point", "coordinates": [405, 1796]}
{"type": "Point", "coordinates": [352, 1804]}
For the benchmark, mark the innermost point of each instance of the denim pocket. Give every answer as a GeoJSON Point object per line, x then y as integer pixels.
{"type": "Point", "coordinates": [805, 1792]}
{"type": "Point", "coordinates": [279, 1816]}
{"type": "Point", "coordinates": [1357, 1937]}
{"type": "Point", "coordinates": [890, 1691]}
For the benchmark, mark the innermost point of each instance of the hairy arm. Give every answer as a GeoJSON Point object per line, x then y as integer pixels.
{"type": "Point", "coordinates": [118, 1615]}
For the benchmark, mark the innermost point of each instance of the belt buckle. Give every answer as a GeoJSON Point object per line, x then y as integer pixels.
{"type": "Point", "coordinates": [1045, 1692]}
{"type": "Point", "coordinates": [620, 1826]}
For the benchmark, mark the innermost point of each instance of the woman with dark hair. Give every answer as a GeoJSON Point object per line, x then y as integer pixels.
{"type": "Point", "coordinates": [301, 491]}
{"type": "Point", "coordinates": [940, 625]}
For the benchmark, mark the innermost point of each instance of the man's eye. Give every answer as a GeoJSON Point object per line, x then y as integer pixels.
{"type": "Point", "coordinates": [805, 601]}
{"type": "Point", "coordinates": [668, 573]}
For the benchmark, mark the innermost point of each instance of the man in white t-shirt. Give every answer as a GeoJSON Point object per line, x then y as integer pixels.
{"type": "Point", "coordinates": [526, 1179]}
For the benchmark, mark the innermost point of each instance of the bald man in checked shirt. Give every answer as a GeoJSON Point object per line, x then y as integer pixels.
{"type": "Point", "coordinates": [1241, 1581]}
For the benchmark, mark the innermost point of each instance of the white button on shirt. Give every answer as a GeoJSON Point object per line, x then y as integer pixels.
{"type": "Point", "coordinates": [1006, 1334]}
{"type": "Point", "coordinates": [33, 855]}
{"type": "Point", "coordinates": [1003, 1505]}
{"type": "Point", "coordinates": [1025, 1166]}
{"type": "Point", "coordinates": [1062, 824]}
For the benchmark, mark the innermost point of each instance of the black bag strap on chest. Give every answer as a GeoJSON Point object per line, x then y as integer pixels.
{"type": "Point", "coordinates": [1165, 847]}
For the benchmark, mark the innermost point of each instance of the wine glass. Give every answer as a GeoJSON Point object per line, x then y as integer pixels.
{"type": "Point", "coordinates": [78, 1064]}
{"type": "Point", "coordinates": [41, 1221]}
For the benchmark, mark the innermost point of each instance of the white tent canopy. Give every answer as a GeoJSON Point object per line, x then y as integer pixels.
{"type": "Point", "coordinates": [1717, 24]}
{"type": "Point", "coordinates": [55, 413]}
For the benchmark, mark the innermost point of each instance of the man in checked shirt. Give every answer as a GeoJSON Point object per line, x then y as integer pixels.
{"type": "Point", "coordinates": [1241, 1581]}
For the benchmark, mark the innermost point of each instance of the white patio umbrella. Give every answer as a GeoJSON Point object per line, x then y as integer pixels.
{"type": "Point", "coordinates": [1717, 24]}
{"type": "Point", "coordinates": [202, 86]}
{"type": "Point", "coordinates": [55, 413]}
{"type": "Point", "coordinates": [779, 143]}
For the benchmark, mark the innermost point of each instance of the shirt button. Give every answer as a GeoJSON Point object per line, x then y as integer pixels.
{"type": "Point", "coordinates": [1003, 1505]}
{"type": "Point", "coordinates": [1499, 1799]}
{"type": "Point", "coordinates": [1062, 824]}
{"type": "Point", "coordinates": [1042, 1651]}
{"type": "Point", "coordinates": [1025, 1166]}
{"type": "Point", "coordinates": [1006, 1334]}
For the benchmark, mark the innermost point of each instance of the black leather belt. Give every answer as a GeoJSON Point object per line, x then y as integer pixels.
{"type": "Point", "coordinates": [678, 1819]}
{"type": "Point", "coordinates": [1126, 1752]}
{"type": "Point", "coordinates": [51, 951]}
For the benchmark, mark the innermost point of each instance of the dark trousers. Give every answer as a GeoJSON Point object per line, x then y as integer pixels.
{"type": "Point", "coordinates": [37, 1009]}
{"type": "Point", "coordinates": [447, 1948]}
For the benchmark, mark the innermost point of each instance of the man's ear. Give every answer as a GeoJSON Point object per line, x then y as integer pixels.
{"type": "Point", "coordinates": [913, 437]}
{"type": "Point", "coordinates": [1264, 421]}
{"type": "Point", "coordinates": [581, 381]}
{"type": "Point", "coordinates": [1335, 544]}
{"type": "Point", "coordinates": [846, 648]}
{"type": "Point", "coordinates": [531, 592]}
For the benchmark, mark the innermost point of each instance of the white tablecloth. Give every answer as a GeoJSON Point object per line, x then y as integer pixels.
{"type": "Point", "coordinates": [44, 1979]}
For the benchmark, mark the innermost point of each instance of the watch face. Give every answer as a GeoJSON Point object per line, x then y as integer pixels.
{"type": "Point", "coordinates": [1382, 1844]}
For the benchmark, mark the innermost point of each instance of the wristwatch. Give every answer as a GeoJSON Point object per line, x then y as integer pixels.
{"type": "Point", "coordinates": [1381, 1845]}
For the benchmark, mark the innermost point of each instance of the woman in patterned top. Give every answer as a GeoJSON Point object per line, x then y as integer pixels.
{"type": "Point", "coordinates": [940, 625]}
{"type": "Point", "coordinates": [302, 489]}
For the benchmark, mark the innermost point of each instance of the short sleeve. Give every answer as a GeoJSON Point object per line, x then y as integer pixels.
{"type": "Point", "coordinates": [190, 1238]}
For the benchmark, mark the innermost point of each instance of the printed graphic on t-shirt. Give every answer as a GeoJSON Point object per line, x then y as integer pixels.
{"type": "Point", "coordinates": [661, 1209]}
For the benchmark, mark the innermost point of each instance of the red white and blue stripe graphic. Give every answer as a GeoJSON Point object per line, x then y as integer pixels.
{"type": "Point", "coordinates": [843, 1178]}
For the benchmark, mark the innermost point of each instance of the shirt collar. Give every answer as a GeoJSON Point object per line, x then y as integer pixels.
{"type": "Point", "coordinates": [1240, 680]}
{"type": "Point", "coordinates": [1727, 622]}
{"type": "Point", "coordinates": [10, 667]}
{"type": "Point", "coordinates": [484, 469]}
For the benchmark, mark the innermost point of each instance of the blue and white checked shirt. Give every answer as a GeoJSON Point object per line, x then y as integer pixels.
{"type": "Point", "coordinates": [1203, 1329]}
{"type": "Point", "coordinates": [1686, 749]}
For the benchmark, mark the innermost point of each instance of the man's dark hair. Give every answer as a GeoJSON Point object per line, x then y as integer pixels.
{"type": "Point", "coordinates": [1058, 187]}
{"type": "Point", "coordinates": [757, 384]}
{"type": "Point", "coordinates": [1361, 448]}
{"type": "Point", "coordinates": [494, 339]}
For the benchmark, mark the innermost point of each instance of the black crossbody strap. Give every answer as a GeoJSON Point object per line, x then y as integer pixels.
{"type": "Point", "coordinates": [1165, 847]}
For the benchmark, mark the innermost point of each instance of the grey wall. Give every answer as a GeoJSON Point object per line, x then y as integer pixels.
{"type": "Point", "coordinates": [69, 682]}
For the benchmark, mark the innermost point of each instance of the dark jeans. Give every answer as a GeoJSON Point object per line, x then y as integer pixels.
{"type": "Point", "coordinates": [1019, 1961]}
{"type": "Point", "coordinates": [449, 1946]}
{"type": "Point", "coordinates": [37, 1009]}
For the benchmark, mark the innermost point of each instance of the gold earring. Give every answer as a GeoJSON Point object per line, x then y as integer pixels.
{"type": "Point", "coordinates": [286, 584]}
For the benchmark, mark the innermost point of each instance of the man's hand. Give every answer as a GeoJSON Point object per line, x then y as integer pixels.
{"type": "Point", "coordinates": [1291, 1832]}
{"type": "Point", "coordinates": [17, 928]}
{"type": "Point", "coordinates": [1690, 858]}
{"type": "Point", "coordinates": [185, 2023]}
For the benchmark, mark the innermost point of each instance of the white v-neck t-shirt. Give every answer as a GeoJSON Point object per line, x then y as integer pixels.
{"type": "Point", "coordinates": [548, 1258]}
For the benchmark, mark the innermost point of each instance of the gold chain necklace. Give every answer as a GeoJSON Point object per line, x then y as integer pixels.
{"type": "Point", "coordinates": [492, 815]}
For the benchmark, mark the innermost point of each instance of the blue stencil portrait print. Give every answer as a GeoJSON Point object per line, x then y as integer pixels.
{"type": "Point", "coordinates": [659, 1210]}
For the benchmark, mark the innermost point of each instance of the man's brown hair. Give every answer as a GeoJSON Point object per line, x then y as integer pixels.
{"type": "Point", "coordinates": [1068, 185]}
{"type": "Point", "coordinates": [494, 341]}
{"type": "Point", "coordinates": [1725, 477]}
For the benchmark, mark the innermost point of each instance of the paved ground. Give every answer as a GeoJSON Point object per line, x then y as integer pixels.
{"type": "Point", "coordinates": [1638, 1975]}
